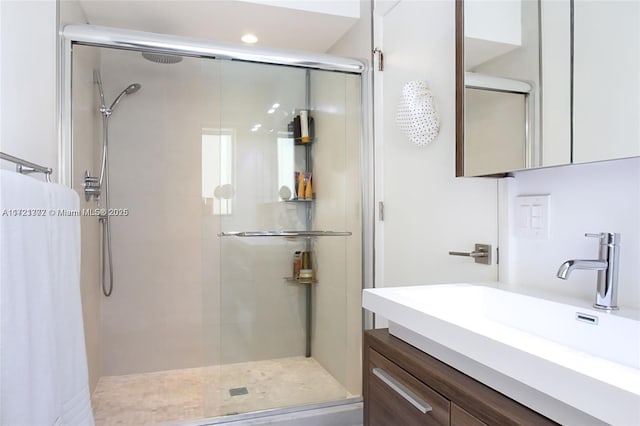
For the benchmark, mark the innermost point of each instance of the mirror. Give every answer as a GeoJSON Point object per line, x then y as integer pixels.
{"type": "Point", "coordinates": [515, 79]}
{"type": "Point", "coordinates": [606, 80]}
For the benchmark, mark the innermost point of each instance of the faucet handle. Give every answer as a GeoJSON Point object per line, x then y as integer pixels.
{"type": "Point", "coordinates": [593, 235]}
{"type": "Point", "coordinates": [605, 237]}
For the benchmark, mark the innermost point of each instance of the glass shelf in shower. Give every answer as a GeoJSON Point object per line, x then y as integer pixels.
{"type": "Point", "coordinates": [301, 280]}
{"type": "Point", "coordinates": [299, 200]}
{"type": "Point", "coordinates": [298, 142]}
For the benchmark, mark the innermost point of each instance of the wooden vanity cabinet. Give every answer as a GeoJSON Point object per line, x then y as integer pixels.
{"type": "Point", "coordinates": [405, 386]}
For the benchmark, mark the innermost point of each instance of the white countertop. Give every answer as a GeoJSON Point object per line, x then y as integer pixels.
{"type": "Point", "coordinates": [531, 349]}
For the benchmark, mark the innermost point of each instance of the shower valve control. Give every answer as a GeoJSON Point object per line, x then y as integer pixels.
{"type": "Point", "coordinates": [91, 186]}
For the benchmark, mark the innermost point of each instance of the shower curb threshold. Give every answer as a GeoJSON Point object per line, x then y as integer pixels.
{"type": "Point", "coordinates": [347, 412]}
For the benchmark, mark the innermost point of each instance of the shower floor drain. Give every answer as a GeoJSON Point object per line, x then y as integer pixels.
{"type": "Point", "coordinates": [238, 391]}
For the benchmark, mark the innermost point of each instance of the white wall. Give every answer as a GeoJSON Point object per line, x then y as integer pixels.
{"type": "Point", "coordinates": [491, 29]}
{"type": "Point", "coordinates": [28, 124]}
{"type": "Point", "coordinates": [428, 211]}
{"type": "Point", "coordinates": [496, 21]}
{"type": "Point", "coordinates": [598, 197]}
{"type": "Point", "coordinates": [348, 8]}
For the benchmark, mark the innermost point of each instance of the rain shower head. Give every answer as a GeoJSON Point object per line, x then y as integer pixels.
{"type": "Point", "coordinates": [161, 59]}
{"type": "Point", "coordinates": [132, 88]}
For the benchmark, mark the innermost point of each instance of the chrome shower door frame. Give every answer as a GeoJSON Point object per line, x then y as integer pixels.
{"type": "Point", "coordinates": [89, 35]}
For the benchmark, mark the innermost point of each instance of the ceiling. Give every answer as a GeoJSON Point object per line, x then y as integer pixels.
{"type": "Point", "coordinates": [227, 20]}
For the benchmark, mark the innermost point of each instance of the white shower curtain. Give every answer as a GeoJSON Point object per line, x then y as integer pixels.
{"type": "Point", "coordinates": [43, 366]}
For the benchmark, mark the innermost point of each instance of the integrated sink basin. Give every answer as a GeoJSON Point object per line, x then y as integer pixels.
{"type": "Point", "coordinates": [571, 363]}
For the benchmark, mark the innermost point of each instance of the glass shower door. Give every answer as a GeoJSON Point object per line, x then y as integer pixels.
{"type": "Point", "coordinates": [276, 335]}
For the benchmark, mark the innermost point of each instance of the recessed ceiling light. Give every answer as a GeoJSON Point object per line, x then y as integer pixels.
{"type": "Point", "coordinates": [271, 111]}
{"type": "Point", "coordinates": [276, 105]}
{"type": "Point", "coordinates": [249, 39]}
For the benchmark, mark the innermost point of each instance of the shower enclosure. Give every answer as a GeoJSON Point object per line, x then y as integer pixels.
{"type": "Point", "coordinates": [207, 317]}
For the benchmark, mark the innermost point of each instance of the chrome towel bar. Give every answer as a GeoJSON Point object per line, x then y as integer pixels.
{"type": "Point", "coordinates": [24, 166]}
{"type": "Point", "coordinates": [292, 234]}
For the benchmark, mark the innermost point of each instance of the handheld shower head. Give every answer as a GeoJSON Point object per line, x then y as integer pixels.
{"type": "Point", "coordinates": [132, 88]}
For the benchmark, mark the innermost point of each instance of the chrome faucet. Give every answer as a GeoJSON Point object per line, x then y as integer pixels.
{"type": "Point", "coordinates": [607, 267]}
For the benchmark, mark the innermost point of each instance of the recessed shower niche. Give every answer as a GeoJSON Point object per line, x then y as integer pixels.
{"type": "Point", "coordinates": [202, 320]}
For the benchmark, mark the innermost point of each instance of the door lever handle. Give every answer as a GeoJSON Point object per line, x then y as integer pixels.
{"type": "Point", "coordinates": [481, 253]}
{"type": "Point", "coordinates": [471, 254]}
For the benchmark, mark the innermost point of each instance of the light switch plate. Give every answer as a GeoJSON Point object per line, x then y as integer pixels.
{"type": "Point", "coordinates": [532, 217]}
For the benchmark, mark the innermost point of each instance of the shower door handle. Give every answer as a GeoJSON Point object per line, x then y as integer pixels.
{"type": "Point", "coordinates": [291, 234]}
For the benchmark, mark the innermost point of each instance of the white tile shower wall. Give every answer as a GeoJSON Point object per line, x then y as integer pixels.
{"type": "Point", "coordinates": [596, 197]}
{"type": "Point", "coordinates": [335, 100]}
{"type": "Point", "coordinates": [262, 315]}
{"type": "Point", "coordinates": [86, 136]}
{"type": "Point", "coordinates": [355, 44]}
{"type": "Point", "coordinates": [153, 319]}
{"type": "Point", "coordinates": [169, 309]}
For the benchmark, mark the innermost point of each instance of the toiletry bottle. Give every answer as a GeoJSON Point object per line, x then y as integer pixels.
{"type": "Point", "coordinates": [308, 191]}
{"type": "Point", "coordinates": [306, 260]}
{"type": "Point", "coordinates": [301, 186]}
{"type": "Point", "coordinates": [290, 129]}
{"type": "Point", "coordinates": [296, 129]}
{"type": "Point", "coordinates": [297, 264]}
{"type": "Point", "coordinates": [306, 273]}
{"type": "Point", "coordinates": [304, 126]}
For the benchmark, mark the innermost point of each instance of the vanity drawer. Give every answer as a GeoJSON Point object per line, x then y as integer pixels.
{"type": "Point", "coordinates": [457, 399]}
{"type": "Point", "coordinates": [395, 397]}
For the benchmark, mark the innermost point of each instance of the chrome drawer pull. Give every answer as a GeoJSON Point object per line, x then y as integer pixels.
{"type": "Point", "coordinates": [402, 390]}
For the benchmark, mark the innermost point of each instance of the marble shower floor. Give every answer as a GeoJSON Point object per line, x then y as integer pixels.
{"type": "Point", "coordinates": [197, 393]}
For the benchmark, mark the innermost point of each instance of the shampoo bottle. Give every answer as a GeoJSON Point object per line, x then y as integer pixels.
{"type": "Point", "coordinates": [308, 191]}
{"type": "Point", "coordinates": [300, 186]}
{"type": "Point", "coordinates": [304, 126]}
